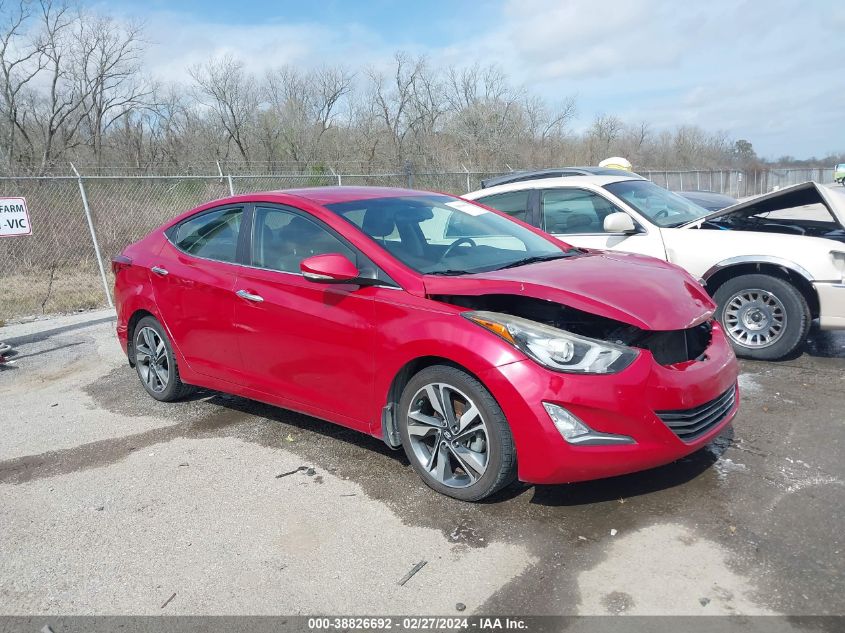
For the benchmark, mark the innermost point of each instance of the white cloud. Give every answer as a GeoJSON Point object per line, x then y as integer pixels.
{"type": "Point", "coordinates": [179, 41]}
{"type": "Point", "coordinates": [768, 72]}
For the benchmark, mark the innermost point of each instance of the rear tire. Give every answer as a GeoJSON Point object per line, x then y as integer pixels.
{"type": "Point", "coordinates": [455, 434]}
{"type": "Point", "coordinates": [155, 362]}
{"type": "Point", "coordinates": [764, 317]}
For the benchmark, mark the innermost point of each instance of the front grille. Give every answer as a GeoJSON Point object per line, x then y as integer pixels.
{"type": "Point", "coordinates": [690, 424]}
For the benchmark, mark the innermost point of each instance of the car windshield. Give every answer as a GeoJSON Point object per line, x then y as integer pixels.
{"type": "Point", "coordinates": [659, 205]}
{"type": "Point", "coordinates": [441, 235]}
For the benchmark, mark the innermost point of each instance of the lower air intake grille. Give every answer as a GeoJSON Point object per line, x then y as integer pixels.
{"type": "Point", "coordinates": [690, 424]}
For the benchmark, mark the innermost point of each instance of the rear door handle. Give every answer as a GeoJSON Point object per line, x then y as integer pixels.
{"type": "Point", "coordinates": [158, 270]}
{"type": "Point", "coordinates": [243, 294]}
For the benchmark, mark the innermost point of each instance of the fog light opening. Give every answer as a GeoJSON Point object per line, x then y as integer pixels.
{"type": "Point", "coordinates": [566, 423]}
{"type": "Point", "coordinates": [574, 431]}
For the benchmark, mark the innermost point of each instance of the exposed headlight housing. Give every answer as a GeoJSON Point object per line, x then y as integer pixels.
{"type": "Point", "coordinates": [556, 349]}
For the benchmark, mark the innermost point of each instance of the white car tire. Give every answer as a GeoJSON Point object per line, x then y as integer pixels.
{"type": "Point", "coordinates": [764, 317]}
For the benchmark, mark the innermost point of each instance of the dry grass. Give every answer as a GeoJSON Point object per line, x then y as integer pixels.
{"type": "Point", "coordinates": [28, 294]}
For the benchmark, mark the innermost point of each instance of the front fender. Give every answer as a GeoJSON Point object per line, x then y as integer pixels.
{"type": "Point", "coordinates": [416, 334]}
{"type": "Point", "coordinates": [758, 259]}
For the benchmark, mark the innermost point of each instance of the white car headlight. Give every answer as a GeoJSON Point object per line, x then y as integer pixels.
{"type": "Point", "coordinates": [556, 349]}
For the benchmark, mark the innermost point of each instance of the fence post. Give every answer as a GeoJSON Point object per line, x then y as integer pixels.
{"type": "Point", "coordinates": [337, 175]}
{"type": "Point", "coordinates": [409, 172]}
{"type": "Point", "coordinates": [93, 236]}
{"type": "Point", "coordinates": [469, 187]}
{"type": "Point", "coordinates": [231, 186]}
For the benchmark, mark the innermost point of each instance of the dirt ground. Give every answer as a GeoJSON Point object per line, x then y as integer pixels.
{"type": "Point", "coordinates": [112, 503]}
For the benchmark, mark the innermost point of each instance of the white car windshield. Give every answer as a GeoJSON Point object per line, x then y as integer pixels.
{"type": "Point", "coordinates": [659, 205]}
{"type": "Point", "coordinates": [440, 235]}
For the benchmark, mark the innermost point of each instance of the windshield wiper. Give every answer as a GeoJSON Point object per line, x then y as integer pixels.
{"type": "Point", "coordinates": [534, 260]}
{"type": "Point", "coordinates": [448, 272]}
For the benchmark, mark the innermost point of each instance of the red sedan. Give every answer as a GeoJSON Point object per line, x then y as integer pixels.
{"type": "Point", "coordinates": [483, 347]}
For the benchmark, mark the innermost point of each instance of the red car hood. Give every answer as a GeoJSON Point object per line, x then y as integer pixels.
{"type": "Point", "coordinates": [641, 291]}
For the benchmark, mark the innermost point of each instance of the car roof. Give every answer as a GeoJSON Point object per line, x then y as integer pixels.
{"type": "Point", "coordinates": [552, 183]}
{"type": "Point", "coordinates": [331, 195]}
{"type": "Point", "coordinates": [554, 172]}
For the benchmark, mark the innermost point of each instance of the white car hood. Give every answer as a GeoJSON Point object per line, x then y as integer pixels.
{"type": "Point", "coordinates": [804, 193]}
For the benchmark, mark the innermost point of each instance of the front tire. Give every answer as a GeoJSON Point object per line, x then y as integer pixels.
{"type": "Point", "coordinates": [764, 317]}
{"type": "Point", "coordinates": [455, 434]}
{"type": "Point", "coordinates": [155, 362]}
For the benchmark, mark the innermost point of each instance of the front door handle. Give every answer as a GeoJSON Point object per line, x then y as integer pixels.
{"type": "Point", "coordinates": [158, 270]}
{"type": "Point", "coordinates": [243, 294]}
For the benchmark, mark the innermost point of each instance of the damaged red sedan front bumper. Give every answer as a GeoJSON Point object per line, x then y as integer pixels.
{"type": "Point", "coordinates": [667, 412]}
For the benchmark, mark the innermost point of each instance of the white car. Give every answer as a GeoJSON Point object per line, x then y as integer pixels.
{"type": "Point", "coordinates": [773, 263]}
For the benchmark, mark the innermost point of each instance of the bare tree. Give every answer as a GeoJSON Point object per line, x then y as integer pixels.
{"type": "Point", "coordinates": [488, 118]}
{"type": "Point", "coordinates": [393, 99]}
{"type": "Point", "coordinates": [602, 135]}
{"type": "Point", "coordinates": [231, 93]}
{"type": "Point", "coordinates": [66, 50]}
{"type": "Point", "coordinates": [110, 74]}
{"type": "Point", "coordinates": [21, 59]}
{"type": "Point", "coordinates": [301, 108]}
{"type": "Point", "coordinates": [73, 87]}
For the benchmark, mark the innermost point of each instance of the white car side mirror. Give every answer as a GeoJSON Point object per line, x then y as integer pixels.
{"type": "Point", "coordinates": [619, 223]}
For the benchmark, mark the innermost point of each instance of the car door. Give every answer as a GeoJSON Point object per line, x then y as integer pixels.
{"type": "Point", "coordinates": [305, 341]}
{"type": "Point", "coordinates": [577, 217]}
{"type": "Point", "coordinates": [192, 279]}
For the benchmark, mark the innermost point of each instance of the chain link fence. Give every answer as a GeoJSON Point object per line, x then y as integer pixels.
{"type": "Point", "coordinates": [737, 183]}
{"type": "Point", "coordinates": [57, 268]}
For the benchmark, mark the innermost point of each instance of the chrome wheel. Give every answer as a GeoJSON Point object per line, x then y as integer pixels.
{"type": "Point", "coordinates": [448, 435]}
{"type": "Point", "coordinates": [755, 318]}
{"type": "Point", "coordinates": [151, 359]}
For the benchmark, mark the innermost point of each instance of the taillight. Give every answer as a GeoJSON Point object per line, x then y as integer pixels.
{"type": "Point", "coordinates": [120, 262]}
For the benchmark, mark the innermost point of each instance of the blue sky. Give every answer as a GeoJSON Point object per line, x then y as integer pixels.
{"type": "Point", "coordinates": [772, 72]}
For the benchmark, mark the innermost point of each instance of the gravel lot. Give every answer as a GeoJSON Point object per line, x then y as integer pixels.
{"type": "Point", "coordinates": [111, 503]}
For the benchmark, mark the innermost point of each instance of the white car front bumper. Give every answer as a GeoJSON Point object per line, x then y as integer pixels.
{"type": "Point", "coordinates": [831, 305]}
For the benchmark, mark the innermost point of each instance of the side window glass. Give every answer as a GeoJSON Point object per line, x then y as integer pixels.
{"type": "Point", "coordinates": [211, 235]}
{"type": "Point", "coordinates": [568, 211]}
{"type": "Point", "coordinates": [514, 203]}
{"type": "Point", "coordinates": [281, 240]}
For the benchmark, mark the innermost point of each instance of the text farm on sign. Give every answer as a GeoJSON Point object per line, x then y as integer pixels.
{"type": "Point", "coordinates": [14, 217]}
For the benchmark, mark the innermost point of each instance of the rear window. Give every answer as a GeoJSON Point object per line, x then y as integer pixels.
{"type": "Point", "coordinates": [212, 235]}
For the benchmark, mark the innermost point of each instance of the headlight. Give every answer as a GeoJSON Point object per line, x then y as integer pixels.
{"type": "Point", "coordinates": [556, 349]}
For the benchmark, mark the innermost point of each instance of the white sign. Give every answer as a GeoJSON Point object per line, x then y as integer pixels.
{"type": "Point", "coordinates": [14, 217]}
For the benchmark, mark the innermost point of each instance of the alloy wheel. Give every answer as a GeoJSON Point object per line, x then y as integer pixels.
{"type": "Point", "coordinates": [448, 435]}
{"type": "Point", "coordinates": [755, 318]}
{"type": "Point", "coordinates": [151, 359]}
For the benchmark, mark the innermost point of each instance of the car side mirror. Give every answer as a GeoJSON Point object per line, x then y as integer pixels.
{"type": "Point", "coordinates": [619, 223]}
{"type": "Point", "coordinates": [332, 268]}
